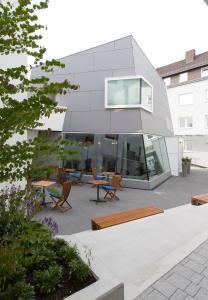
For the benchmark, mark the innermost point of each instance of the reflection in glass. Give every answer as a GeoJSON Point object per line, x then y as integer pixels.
{"type": "Point", "coordinates": [134, 156]}
{"type": "Point", "coordinates": [124, 92]}
{"type": "Point", "coordinates": [156, 155]}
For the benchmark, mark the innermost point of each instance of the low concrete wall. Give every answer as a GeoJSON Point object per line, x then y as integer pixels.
{"type": "Point", "coordinates": [105, 288]}
{"type": "Point", "coordinates": [139, 184]}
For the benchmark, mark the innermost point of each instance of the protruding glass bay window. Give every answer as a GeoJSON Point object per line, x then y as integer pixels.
{"type": "Point", "coordinates": [128, 92]}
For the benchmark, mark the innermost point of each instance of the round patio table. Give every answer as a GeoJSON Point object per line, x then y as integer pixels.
{"type": "Point", "coordinates": [44, 184]}
{"type": "Point", "coordinates": [98, 183]}
{"type": "Point", "coordinates": [108, 174]}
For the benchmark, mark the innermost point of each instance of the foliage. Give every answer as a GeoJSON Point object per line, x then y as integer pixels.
{"type": "Point", "coordinates": [31, 259]}
{"type": "Point", "coordinates": [186, 160]}
{"type": "Point", "coordinates": [20, 35]}
{"type": "Point", "coordinates": [48, 280]}
{"type": "Point", "coordinates": [80, 271]}
{"type": "Point", "coordinates": [50, 224]}
{"type": "Point", "coordinates": [11, 217]}
{"type": "Point", "coordinates": [19, 291]}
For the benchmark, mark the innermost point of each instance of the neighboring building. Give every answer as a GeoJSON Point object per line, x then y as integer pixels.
{"type": "Point", "coordinates": [187, 89]}
{"type": "Point", "coordinates": [121, 108]}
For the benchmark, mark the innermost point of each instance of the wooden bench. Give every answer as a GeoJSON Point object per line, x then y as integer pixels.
{"type": "Point", "coordinates": [199, 199]}
{"type": "Point", "coordinates": [124, 216]}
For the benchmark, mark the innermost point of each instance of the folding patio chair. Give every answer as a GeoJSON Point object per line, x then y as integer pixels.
{"type": "Point", "coordinates": [60, 199]}
{"type": "Point", "coordinates": [95, 176]}
{"type": "Point", "coordinates": [112, 189]}
{"type": "Point", "coordinates": [76, 177]}
{"type": "Point", "coordinates": [60, 175]}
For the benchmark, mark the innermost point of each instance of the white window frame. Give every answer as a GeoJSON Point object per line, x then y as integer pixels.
{"type": "Point", "coordinates": [167, 79]}
{"type": "Point", "coordinates": [184, 95]}
{"type": "Point", "coordinates": [181, 75]}
{"type": "Point", "coordinates": [185, 127]}
{"type": "Point", "coordinates": [126, 106]}
{"type": "Point", "coordinates": [204, 69]}
{"type": "Point", "coordinates": [185, 148]}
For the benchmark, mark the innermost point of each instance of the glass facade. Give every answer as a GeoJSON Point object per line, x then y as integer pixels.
{"type": "Point", "coordinates": [134, 156]}
{"type": "Point", "coordinates": [128, 92]}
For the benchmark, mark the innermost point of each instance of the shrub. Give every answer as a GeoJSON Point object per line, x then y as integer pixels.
{"type": "Point", "coordinates": [20, 291]}
{"type": "Point", "coordinates": [79, 270]}
{"type": "Point", "coordinates": [48, 280]}
{"type": "Point", "coordinates": [65, 254]}
{"type": "Point", "coordinates": [50, 224]}
{"type": "Point", "coordinates": [40, 259]}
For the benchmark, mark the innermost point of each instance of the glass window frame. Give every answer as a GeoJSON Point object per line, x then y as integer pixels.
{"type": "Point", "coordinates": [185, 122]}
{"type": "Point", "coordinates": [107, 106]}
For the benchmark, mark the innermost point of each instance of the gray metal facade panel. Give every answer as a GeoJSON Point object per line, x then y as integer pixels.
{"type": "Point", "coordinates": [117, 59]}
{"type": "Point", "coordinates": [76, 63]}
{"type": "Point", "coordinates": [76, 101]}
{"type": "Point", "coordinates": [160, 117]}
{"type": "Point", "coordinates": [87, 112]}
{"type": "Point", "coordinates": [124, 43]}
{"type": "Point", "coordinates": [97, 100]}
{"type": "Point", "coordinates": [124, 72]}
{"type": "Point", "coordinates": [93, 121]}
{"type": "Point", "coordinates": [92, 81]}
{"type": "Point", "coordinates": [125, 121]}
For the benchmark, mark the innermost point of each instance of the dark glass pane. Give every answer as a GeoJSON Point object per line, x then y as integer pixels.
{"type": "Point", "coordinates": [82, 159]}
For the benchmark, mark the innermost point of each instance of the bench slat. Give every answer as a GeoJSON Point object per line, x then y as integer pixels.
{"type": "Point", "coordinates": [125, 216]}
{"type": "Point", "coordinates": [199, 199]}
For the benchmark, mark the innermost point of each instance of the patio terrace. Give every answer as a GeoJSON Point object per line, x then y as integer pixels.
{"type": "Point", "coordinates": [174, 192]}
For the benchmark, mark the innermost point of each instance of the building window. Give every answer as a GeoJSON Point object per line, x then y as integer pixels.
{"type": "Point", "coordinates": [185, 122]}
{"type": "Point", "coordinates": [183, 77]}
{"type": "Point", "coordinates": [204, 72]}
{"type": "Point", "coordinates": [187, 146]}
{"type": "Point", "coordinates": [134, 156]}
{"type": "Point", "coordinates": [167, 81]}
{"type": "Point", "coordinates": [206, 95]}
{"type": "Point", "coordinates": [186, 99]}
{"type": "Point", "coordinates": [128, 92]}
{"type": "Point", "coordinates": [206, 121]}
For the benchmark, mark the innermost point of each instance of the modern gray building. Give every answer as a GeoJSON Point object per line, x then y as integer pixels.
{"type": "Point", "coordinates": [121, 109]}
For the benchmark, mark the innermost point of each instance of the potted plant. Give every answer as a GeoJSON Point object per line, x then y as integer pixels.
{"type": "Point", "coordinates": [184, 166]}
{"type": "Point", "coordinates": [188, 160]}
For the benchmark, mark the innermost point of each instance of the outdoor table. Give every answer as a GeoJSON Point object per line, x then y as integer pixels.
{"type": "Point", "coordinates": [69, 170]}
{"type": "Point", "coordinates": [98, 183]}
{"type": "Point", "coordinates": [108, 174]}
{"type": "Point", "coordinates": [44, 184]}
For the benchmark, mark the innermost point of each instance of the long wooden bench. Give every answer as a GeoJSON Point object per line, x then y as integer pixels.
{"type": "Point", "coordinates": [124, 216]}
{"type": "Point", "coordinates": [199, 199]}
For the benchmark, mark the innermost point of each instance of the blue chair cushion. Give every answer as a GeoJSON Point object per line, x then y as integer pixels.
{"type": "Point", "coordinates": [100, 177]}
{"type": "Point", "coordinates": [76, 175]}
{"type": "Point", "coordinates": [108, 188]}
{"type": "Point", "coordinates": [53, 194]}
{"type": "Point", "coordinates": [67, 176]}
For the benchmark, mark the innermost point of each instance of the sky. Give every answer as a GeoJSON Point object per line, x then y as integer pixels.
{"type": "Point", "coordinates": [164, 29]}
